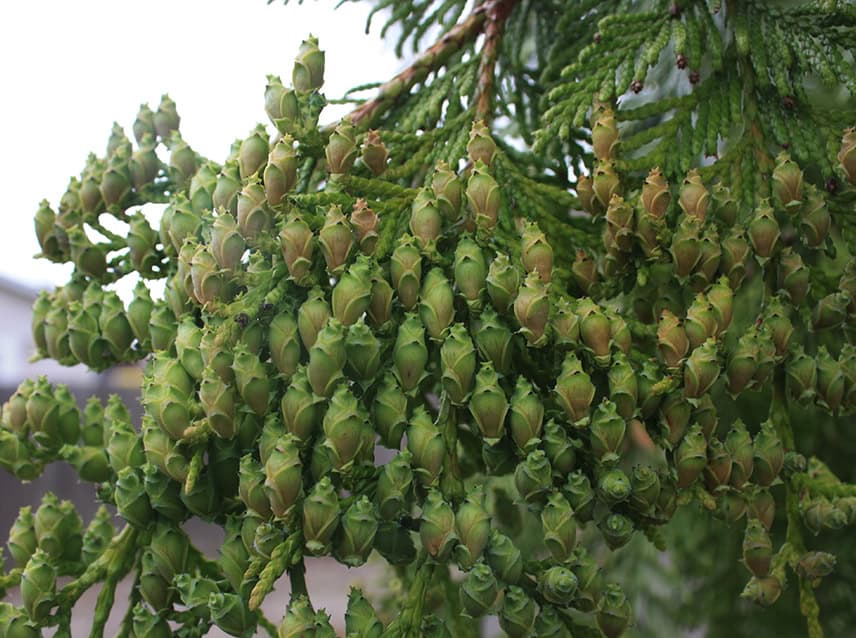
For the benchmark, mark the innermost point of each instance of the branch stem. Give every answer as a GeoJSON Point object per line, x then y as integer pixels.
{"type": "Point", "coordinates": [432, 59]}
{"type": "Point", "coordinates": [780, 417]}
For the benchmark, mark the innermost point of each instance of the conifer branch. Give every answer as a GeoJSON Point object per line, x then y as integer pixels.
{"type": "Point", "coordinates": [431, 60]}
{"type": "Point", "coordinates": [497, 13]}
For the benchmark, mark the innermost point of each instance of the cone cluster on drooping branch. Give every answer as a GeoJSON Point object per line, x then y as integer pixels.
{"type": "Point", "coordinates": [326, 293]}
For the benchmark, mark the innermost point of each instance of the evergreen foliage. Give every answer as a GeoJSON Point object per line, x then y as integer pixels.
{"type": "Point", "coordinates": [587, 269]}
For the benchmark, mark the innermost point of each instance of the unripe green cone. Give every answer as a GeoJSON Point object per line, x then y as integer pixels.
{"type": "Point", "coordinates": [234, 557]}
{"type": "Point", "coordinates": [299, 620]}
{"type": "Point", "coordinates": [348, 438]}
{"type": "Point", "coordinates": [577, 489]}
{"type": "Point", "coordinates": [793, 276]}
{"type": "Point", "coordinates": [830, 311]}
{"type": "Point", "coordinates": [283, 476]}
{"type": "Point", "coordinates": [312, 316]}
{"type": "Point", "coordinates": [225, 194]}
{"type": "Point", "coordinates": [124, 447]}
{"type": "Point", "coordinates": [297, 244]}
{"type": "Point", "coordinates": [769, 455]}
{"type": "Point", "coordinates": [425, 221]}
{"type": "Point", "coordinates": [38, 586]}
{"type": "Point", "coordinates": [365, 223]}
{"type": "Point", "coordinates": [389, 412]}
{"type": "Point", "coordinates": [131, 499]}
{"type": "Point", "coordinates": [231, 614]}
{"type": "Point", "coordinates": [437, 528]}
{"type": "Point", "coordinates": [560, 450]}
{"type": "Point", "coordinates": [701, 323]}
{"type": "Point", "coordinates": [458, 363]}
{"type": "Point", "coordinates": [253, 216]}
{"type": "Point", "coordinates": [694, 199]}
{"type": "Point", "coordinates": [672, 341]}
{"type": "Point", "coordinates": [503, 281]}
{"type": "Point", "coordinates": [686, 246]}
{"type": "Point", "coordinates": [488, 405]}
{"type": "Point", "coordinates": [830, 381]}
{"type": "Point", "coordinates": [613, 487]}
{"type": "Point", "coordinates": [360, 617]}
{"type": "Point", "coordinates": [253, 152]}
{"type": "Point", "coordinates": [532, 309]}
{"type": "Point", "coordinates": [251, 380]}
{"type": "Point", "coordinates": [559, 527]}
{"type": "Point", "coordinates": [763, 591]}
{"type": "Point", "coordinates": [58, 529]}
{"type": "Point", "coordinates": [691, 457]}
{"type": "Point", "coordinates": [380, 306]}
{"type": "Point", "coordinates": [526, 416]}
{"type": "Point", "coordinates": [227, 243]}
{"type": "Point", "coordinates": [162, 327]}
{"type": "Point", "coordinates": [484, 198]}
{"type": "Point", "coordinates": [801, 375]}
{"type": "Point", "coordinates": [550, 624]}
{"type": "Point", "coordinates": [605, 184]}
{"type": "Point", "coordinates": [336, 240]}
{"type": "Point", "coordinates": [518, 612]}
{"type": "Point", "coordinates": [472, 527]}
{"type": "Point", "coordinates": [426, 445]}
{"type": "Point", "coordinates": [645, 488]}
{"type": "Point", "coordinates": [816, 565]}
{"type": "Point", "coordinates": [327, 358]}
{"type": "Point", "coordinates": [405, 269]}
{"type": "Point", "coordinates": [394, 486]}
{"type": "Point", "coordinates": [719, 465]}
{"type": "Point", "coordinates": [22, 537]}
{"type": "Point", "coordinates": [738, 443]}
{"type": "Point", "coordinates": [787, 183]}
{"type": "Point", "coordinates": [613, 612]}
{"type": "Point", "coordinates": [757, 548]}
{"type": "Point", "coordinates": [815, 221]}
{"type": "Point", "coordinates": [251, 487]}
{"type": "Point", "coordinates": [701, 370]}
{"type": "Point", "coordinates": [558, 585]}
{"type": "Point", "coordinates": [436, 307]}
{"type": "Point", "coordinates": [352, 293]}
{"type": "Point", "coordinates": [447, 190]}
{"type": "Point", "coordinates": [533, 477]}
{"type": "Point", "coordinates": [164, 494]}
{"type": "Point", "coordinates": [470, 272]}
{"type": "Point", "coordinates": [341, 151]}
{"type": "Point", "coordinates": [494, 340]}
{"type": "Point", "coordinates": [574, 390]}
{"type": "Point", "coordinates": [743, 362]}
{"type": "Point", "coordinates": [623, 387]}
{"type": "Point", "coordinates": [607, 432]}
{"type": "Point", "coordinates": [618, 236]}
{"type": "Point", "coordinates": [504, 558]}
{"type": "Point", "coordinates": [356, 533]}
{"type": "Point", "coordinates": [363, 351]}
{"type": "Point", "coordinates": [764, 233]}
{"type": "Point", "coordinates": [595, 331]}
{"type": "Point", "coordinates": [320, 517]}
{"type": "Point", "coordinates": [478, 591]}
{"type": "Point", "coordinates": [187, 340]}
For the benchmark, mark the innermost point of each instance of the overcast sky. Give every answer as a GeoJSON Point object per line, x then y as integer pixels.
{"type": "Point", "coordinates": [69, 69]}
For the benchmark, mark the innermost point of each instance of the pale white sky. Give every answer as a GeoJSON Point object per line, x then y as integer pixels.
{"type": "Point", "coordinates": [69, 68]}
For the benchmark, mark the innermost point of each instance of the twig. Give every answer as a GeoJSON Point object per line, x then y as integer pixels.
{"type": "Point", "coordinates": [434, 58]}
{"type": "Point", "coordinates": [497, 13]}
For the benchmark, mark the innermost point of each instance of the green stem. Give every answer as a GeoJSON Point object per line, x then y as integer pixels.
{"type": "Point", "coordinates": [267, 625]}
{"type": "Point", "coordinates": [780, 418]}
{"type": "Point", "coordinates": [297, 579]}
{"type": "Point", "coordinates": [113, 558]}
{"type": "Point", "coordinates": [451, 485]}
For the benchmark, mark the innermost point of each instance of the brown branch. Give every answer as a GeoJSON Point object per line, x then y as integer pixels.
{"type": "Point", "coordinates": [497, 13]}
{"type": "Point", "coordinates": [431, 60]}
